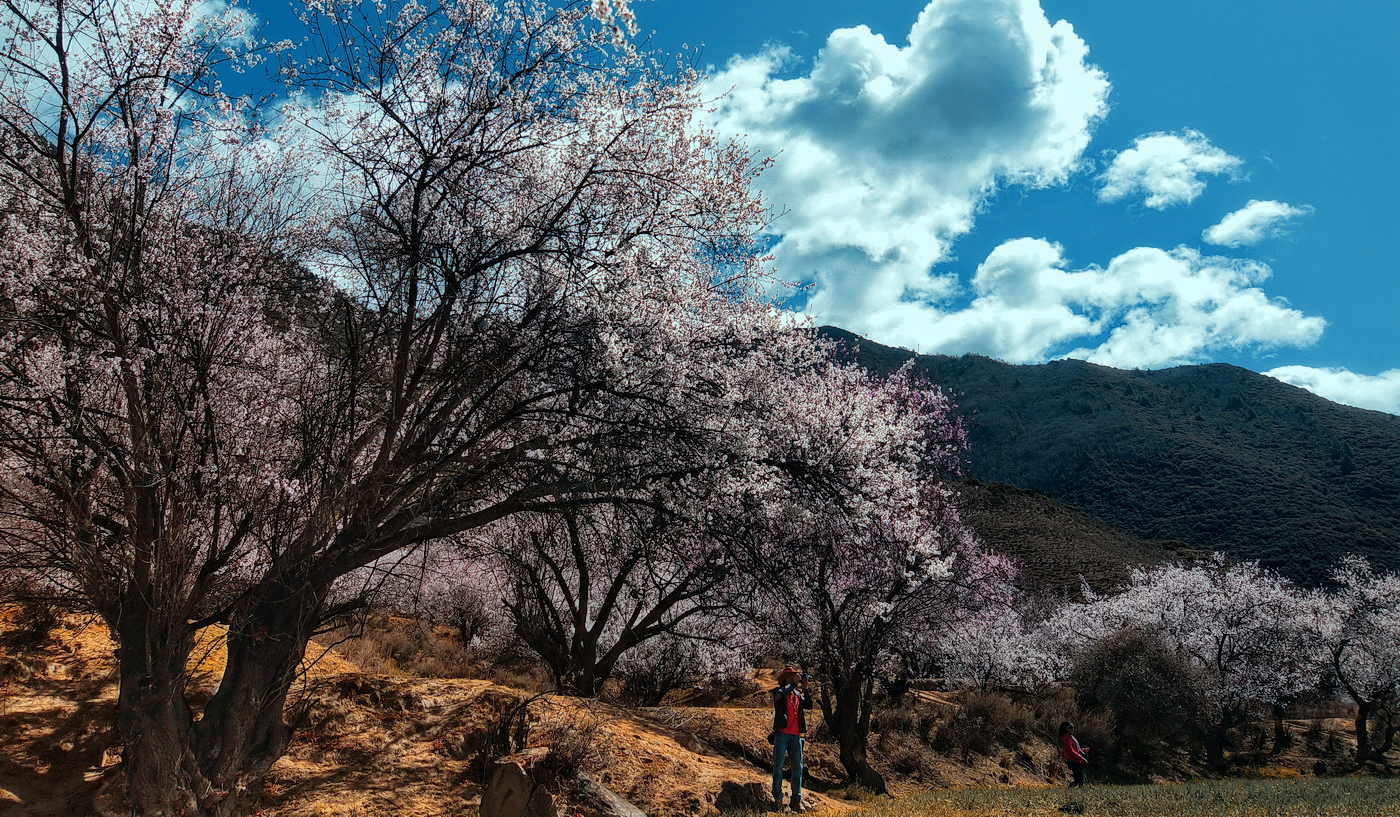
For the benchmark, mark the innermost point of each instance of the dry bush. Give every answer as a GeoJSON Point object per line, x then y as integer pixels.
{"type": "Point", "coordinates": [446, 659]}
{"type": "Point", "coordinates": [648, 683]}
{"type": "Point", "coordinates": [385, 644]}
{"type": "Point", "coordinates": [905, 754]}
{"type": "Point", "coordinates": [910, 719]}
{"type": "Point", "coordinates": [32, 621]}
{"type": "Point", "coordinates": [983, 723]}
{"type": "Point", "coordinates": [571, 737]}
{"type": "Point", "coordinates": [1314, 732]}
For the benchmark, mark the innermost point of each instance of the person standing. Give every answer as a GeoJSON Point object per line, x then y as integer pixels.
{"type": "Point", "coordinates": [790, 704]}
{"type": "Point", "coordinates": [1073, 754]}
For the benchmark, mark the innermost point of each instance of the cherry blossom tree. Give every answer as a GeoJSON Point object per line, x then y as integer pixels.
{"type": "Point", "coordinates": [873, 556]}
{"type": "Point", "coordinates": [1358, 625]}
{"type": "Point", "coordinates": [538, 292]}
{"type": "Point", "coordinates": [145, 362]}
{"type": "Point", "coordinates": [995, 647]}
{"type": "Point", "coordinates": [1242, 627]}
{"type": "Point", "coordinates": [588, 587]}
{"type": "Point", "coordinates": [549, 270]}
{"type": "Point", "coordinates": [463, 592]}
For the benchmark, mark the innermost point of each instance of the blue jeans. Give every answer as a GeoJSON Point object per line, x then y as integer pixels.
{"type": "Point", "coordinates": [785, 745]}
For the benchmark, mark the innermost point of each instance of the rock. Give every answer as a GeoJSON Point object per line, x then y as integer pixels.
{"type": "Point", "coordinates": [603, 801]}
{"type": "Point", "coordinates": [511, 793]}
{"type": "Point", "coordinates": [735, 796]}
{"type": "Point", "coordinates": [13, 669]}
{"type": "Point", "coordinates": [690, 742]}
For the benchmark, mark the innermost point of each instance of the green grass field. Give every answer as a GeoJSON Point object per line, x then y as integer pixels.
{"type": "Point", "coordinates": [1337, 797]}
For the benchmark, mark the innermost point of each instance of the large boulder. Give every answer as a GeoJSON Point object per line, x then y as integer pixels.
{"type": "Point", "coordinates": [735, 796]}
{"type": "Point", "coordinates": [602, 801]}
{"type": "Point", "coordinates": [511, 793]}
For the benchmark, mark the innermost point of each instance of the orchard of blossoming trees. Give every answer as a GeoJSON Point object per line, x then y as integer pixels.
{"type": "Point", "coordinates": [1235, 643]}
{"type": "Point", "coordinates": [479, 289]}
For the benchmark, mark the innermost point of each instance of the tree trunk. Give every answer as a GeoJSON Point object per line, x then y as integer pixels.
{"type": "Point", "coordinates": [1387, 732]}
{"type": "Point", "coordinates": [1282, 737]}
{"type": "Point", "coordinates": [1215, 737]}
{"type": "Point", "coordinates": [153, 717]}
{"type": "Point", "coordinates": [242, 732]}
{"type": "Point", "coordinates": [1363, 731]}
{"type": "Point", "coordinates": [852, 734]}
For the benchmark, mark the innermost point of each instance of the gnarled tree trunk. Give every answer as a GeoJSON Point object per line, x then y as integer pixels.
{"type": "Point", "coordinates": [154, 719]}
{"type": "Point", "coordinates": [242, 732]}
{"type": "Point", "coordinates": [847, 712]}
{"type": "Point", "coordinates": [174, 766]}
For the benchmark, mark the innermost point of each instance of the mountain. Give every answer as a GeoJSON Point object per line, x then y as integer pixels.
{"type": "Point", "coordinates": [1214, 456]}
{"type": "Point", "coordinates": [1057, 548]}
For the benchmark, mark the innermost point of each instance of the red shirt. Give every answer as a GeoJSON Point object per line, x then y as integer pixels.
{"type": "Point", "coordinates": [794, 702]}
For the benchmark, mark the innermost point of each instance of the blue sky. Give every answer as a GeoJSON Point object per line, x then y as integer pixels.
{"type": "Point", "coordinates": [1136, 184]}
{"type": "Point", "coordinates": [1076, 230]}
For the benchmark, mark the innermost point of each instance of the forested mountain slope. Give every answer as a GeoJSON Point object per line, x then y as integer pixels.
{"type": "Point", "coordinates": [1216, 456]}
{"type": "Point", "coordinates": [1058, 549]}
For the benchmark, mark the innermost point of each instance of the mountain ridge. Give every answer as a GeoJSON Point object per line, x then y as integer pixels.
{"type": "Point", "coordinates": [1214, 456]}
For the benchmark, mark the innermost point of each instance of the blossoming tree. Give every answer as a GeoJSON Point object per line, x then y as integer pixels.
{"type": "Point", "coordinates": [534, 289]}
{"type": "Point", "coordinates": [858, 564]}
{"type": "Point", "coordinates": [1242, 627]}
{"type": "Point", "coordinates": [147, 368]}
{"type": "Point", "coordinates": [1358, 626]}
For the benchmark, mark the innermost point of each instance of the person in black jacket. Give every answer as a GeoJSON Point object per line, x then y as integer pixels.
{"type": "Point", "coordinates": [790, 705]}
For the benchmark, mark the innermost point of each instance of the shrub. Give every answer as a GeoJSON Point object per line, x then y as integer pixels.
{"type": "Point", "coordinates": [911, 719]}
{"type": "Point", "coordinates": [906, 755]}
{"type": "Point", "coordinates": [572, 742]}
{"type": "Point", "coordinates": [1151, 694]}
{"type": "Point", "coordinates": [32, 624]}
{"type": "Point", "coordinates": [672, 661]}
{"type": "Point", "coordinates": [984, 721]}
{"type": "Point", "coordinates": [656, 669]}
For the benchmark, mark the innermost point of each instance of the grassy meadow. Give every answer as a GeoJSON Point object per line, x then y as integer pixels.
{"type": "Point", "coordinates": [1307, 797]}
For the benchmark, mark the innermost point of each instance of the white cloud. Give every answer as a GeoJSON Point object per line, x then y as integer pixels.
{"type": "Point", "coordinates": [1165, 168]}
{"type": "Point", "coordinates": [1380, 392]}
{"type": "Point", "coordinates": [886, 152]}
{"type": "Point", "coordinates": [1149, 307]}
{"type": "Point", "coordinates": [1253, 223]}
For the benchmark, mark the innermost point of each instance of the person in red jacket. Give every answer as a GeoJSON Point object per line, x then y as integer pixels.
{"type": "Point", "coordinates": [1073, 753]}
{"type": "Point", "coordinates": [790, 704]}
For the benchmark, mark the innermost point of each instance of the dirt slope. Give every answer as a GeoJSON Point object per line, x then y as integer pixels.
{"type": "Point", "coordinates": [366, 744]}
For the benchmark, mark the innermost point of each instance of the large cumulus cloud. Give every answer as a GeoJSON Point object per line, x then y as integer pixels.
{"type": "Point", "coordinates": [887, 151]}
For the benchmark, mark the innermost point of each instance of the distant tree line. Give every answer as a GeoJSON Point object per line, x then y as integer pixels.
{"type": "Point", "coordinates": [1187, 652]}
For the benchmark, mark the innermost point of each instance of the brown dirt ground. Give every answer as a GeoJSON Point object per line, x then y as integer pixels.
{"type": "Point", "coordinates": [366, 745]}
{"type": "Point", "coordinates": [378, 744]}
